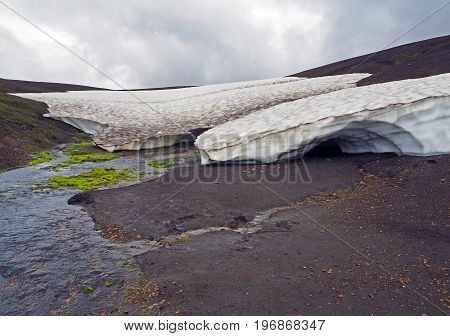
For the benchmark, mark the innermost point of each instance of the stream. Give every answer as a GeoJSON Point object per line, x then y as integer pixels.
{"type": "Point", "coordinates": [52, 261]}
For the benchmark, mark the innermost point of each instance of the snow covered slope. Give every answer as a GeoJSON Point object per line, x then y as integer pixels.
{"type": "Point", "coordinates": [147, 119]}
{"type": "Point", "coordinates": [404, 117]}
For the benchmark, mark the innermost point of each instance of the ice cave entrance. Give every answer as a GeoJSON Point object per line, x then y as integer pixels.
{"type": "Point", "coordinates": [325, 149]}
{"type": "Point", "coordinates": [365, 137]}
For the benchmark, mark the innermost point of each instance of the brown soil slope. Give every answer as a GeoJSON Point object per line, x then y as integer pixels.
{"type": "Point", "coordinates": [414, 60]}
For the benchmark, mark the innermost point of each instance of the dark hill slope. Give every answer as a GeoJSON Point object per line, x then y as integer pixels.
{"type": "Point", "coordinates": [20, 86]}
{"type": "Point", "coordinates": [414, 60]}
{"type": "Point", "coordinates": [24, 130]}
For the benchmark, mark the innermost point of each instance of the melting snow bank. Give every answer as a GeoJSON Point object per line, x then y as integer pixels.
{"type": "Point", "coordinates": [404, 117]}
{"type": "Point", "coordinates": [122, 120]}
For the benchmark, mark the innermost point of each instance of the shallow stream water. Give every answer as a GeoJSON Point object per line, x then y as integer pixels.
{"type": "Point", "coordinates": [52, 261]}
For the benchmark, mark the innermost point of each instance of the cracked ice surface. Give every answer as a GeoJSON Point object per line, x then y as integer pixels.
{"type": "Point", "coordinates": [404, 117]}
{"type": "Point", "coordinates": [146, 119]}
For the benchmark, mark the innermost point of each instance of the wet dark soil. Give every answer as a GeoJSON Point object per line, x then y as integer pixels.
{"type": "Point", "coordinates": [198, 197]}
{"type": "Point", "coordinates": [380, 245]}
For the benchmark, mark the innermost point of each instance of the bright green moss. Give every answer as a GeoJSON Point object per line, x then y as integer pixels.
{"type": "Point", "coordinates": [88, 290]}
{"type": "Point", "coordinates": [85, 147]}
{"type": "Point", "coordinates": [83, 152]}
{"type": "Point", "coordinates": [94, 179]}
{"type": "Point", "coordinates": [163, 164]}
{"type": "Point", "coordinates": [41, 157]}
{"type": "Point", "coordinates": [80, 158]}
{"type": "Point", "coordinates": [108, 283]}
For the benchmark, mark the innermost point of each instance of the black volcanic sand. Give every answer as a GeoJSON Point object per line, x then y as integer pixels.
{"type": "Point", "coordinates": [379, 245]}
{"type": "Point", "coordinates": [197, 197]}
{"type": "Point", "coordinates": [414, 60]}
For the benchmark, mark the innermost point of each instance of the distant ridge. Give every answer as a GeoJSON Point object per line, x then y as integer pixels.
{"type": "Point", "coordinates": [21, 86]}
{"type": "Point", "coordinates": [161, 88]}
{"type": "Point", "coordinates": [414, 60]}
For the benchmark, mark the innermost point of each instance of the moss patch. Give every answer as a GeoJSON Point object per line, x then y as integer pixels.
{"type": "Point", "coordinates": [108, 283]}
{"type": "Point", "coordinates": [80, 158]}
{"type": "Point", "coordinates": [94, 179]}
{"type": "Point", "coordinates": [88, 290]}
{"type": "Point", "coordinates": [41, 157]}
{"type": "Point", "coordinates": [81, 148]}
{"type": "Point", "coordinates": [163, 164]}
{"type": "Point", "coordinates": [83, 152]}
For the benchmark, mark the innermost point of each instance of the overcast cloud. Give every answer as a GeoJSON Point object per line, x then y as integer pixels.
{"type": "Point", "coordinates": [148, 43]}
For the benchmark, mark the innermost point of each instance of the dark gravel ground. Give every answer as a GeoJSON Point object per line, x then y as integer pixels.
{"type": "Point", "coordinates": [378, 245]}
{"type": "Point", "coordinates": [196, 197]}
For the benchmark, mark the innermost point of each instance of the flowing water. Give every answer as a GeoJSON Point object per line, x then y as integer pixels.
{"type": "Point", "coordinates": [51, 259]}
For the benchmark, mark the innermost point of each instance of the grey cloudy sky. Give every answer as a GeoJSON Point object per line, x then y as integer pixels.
{"type": "Point", "coordinates": [147, 43]}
